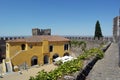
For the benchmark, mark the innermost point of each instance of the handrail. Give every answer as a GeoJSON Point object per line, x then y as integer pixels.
{"type": "Point", "coordinates": [17, 53]}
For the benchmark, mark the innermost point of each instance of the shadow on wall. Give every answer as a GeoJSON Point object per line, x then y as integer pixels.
{"type": "Point", "coordinates": [2, 50]}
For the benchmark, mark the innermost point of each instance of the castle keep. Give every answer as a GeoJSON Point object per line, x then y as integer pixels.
{"type": "Point", "coordinates": [37, 31]}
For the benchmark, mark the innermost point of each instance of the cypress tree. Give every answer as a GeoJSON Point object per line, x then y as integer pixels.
{"type": "Point", "coordinates": [98, 32]}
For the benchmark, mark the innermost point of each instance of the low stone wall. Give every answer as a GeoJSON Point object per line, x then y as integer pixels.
{"type": "Point", "coordinates": [82, 74]}
{"type": "Point", "coordinates": [76, 50]}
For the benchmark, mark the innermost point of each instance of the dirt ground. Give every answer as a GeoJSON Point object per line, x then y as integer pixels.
{"type": "Point", "coordinates": [27, 73]}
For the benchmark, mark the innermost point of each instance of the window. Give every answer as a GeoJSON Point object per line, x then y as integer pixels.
{"type": "Point", "coordinates": [23, 47]}
{"type": "Point", "coordinates": [50, 48]}
{"type": "Point", "coordinates": [66, 47]}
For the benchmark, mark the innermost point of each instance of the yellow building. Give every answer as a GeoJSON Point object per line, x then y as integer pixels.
{"type": "Point", "coordinates": [36, 50]}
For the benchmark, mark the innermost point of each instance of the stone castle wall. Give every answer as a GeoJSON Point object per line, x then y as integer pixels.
{"type": "Point", "coordinates": [10, 38]}
{"type": "Point", "coordinates": [89, 38]}
{"type": "Point", "coordinates": [68, 37]}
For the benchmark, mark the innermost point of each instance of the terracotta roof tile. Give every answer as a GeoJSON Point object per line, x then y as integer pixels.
{"type": "Point", "coordinates": [40, 39]}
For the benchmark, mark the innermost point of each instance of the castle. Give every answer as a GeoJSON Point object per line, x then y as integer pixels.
{"type": "Point", "coordinates": [37, 31]}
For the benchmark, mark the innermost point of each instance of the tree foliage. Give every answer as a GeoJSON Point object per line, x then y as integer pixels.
{"type": "Point", "coordinates": [98, 32]}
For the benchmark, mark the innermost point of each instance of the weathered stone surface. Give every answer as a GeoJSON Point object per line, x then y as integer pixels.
{"type": "Point", "coordinates": [69, 78]}
{"type": "Point", "coordinates": [107, 68]}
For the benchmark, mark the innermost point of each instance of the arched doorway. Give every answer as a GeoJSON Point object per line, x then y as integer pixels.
{"type": "Point", "coordinates": [34, 60]}
{"type": "Point", "coordinates": [23, 46]}
{"type": "Point", "coordinates": [66, 54]}
{"type": "Point", "coordinates": [55, 56]}
{"type": "Point", "coordinates": [46, 59]}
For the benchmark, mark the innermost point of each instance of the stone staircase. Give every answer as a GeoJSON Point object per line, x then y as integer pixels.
{"type": "Point", "coordinates": [7, 66]}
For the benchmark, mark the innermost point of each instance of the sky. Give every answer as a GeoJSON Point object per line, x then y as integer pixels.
{"type": "Point", "coordinates": [63, 17]}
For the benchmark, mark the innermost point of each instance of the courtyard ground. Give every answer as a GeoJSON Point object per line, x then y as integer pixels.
{"type": "Point", "coordinates": [27, 73]}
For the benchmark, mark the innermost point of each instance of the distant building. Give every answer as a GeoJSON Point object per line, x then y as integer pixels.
{"type": "Point", "coordinates": [37, 31]}
{"type": "Point", "coordinates": [34, 50]}
{"type": "Point", "coordinates": [116, 25]}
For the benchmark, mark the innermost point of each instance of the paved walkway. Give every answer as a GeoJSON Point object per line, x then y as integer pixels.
{"type": "Point", "coordinates": [107, 68]}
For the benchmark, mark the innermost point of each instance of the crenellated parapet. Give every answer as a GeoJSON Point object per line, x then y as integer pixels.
{"type": "Point", "coordinates": [89, 38]}
{"type": "Point", "coordinates": [11, 38]}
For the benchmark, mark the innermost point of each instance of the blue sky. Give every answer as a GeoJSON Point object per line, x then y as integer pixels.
{"type": "Point", "coordinates": [64, 17]}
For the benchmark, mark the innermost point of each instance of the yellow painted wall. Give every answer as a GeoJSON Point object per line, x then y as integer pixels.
{"type": "Point", "coordinates": [13, 48]}
{"type": "Point", "coordinates": [26, 55]}
{"type": "Point", "coordinates": [38, 49]}
{"type": "Point", "coordinates": [45, 46]}
{"type": "Point", "coordinates": [58, 47]}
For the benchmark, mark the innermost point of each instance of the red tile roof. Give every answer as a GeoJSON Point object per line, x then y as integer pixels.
{"type": "Point", "coordinates": [40, 39]}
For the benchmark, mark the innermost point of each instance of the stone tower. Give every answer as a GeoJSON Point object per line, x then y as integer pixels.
{"type": "Point", "coordinates": [45, 32]}
{"type": "Point", "coordinates": [116, 22]}
{"type": "Point", "coordinates": [37, 31]}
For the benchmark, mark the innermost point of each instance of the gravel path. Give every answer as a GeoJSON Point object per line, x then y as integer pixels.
{"type": "Point", "coordinates": [107, 68]}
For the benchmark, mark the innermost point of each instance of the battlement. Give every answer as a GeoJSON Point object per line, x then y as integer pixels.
{"type": "Point", "coordinates": [11, 38]}
{"type": "Point", "coordinates": [89, 38]}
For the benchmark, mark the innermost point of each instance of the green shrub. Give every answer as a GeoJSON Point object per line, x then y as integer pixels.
{"type": "Point", "coordinates": [64, 69]}
{"type": "Point", "coordinates": [58, 62]}
{"type": "Point", "coordinates": [91, 53]}
{"type": "Point", "coordinates": [68, 67]}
